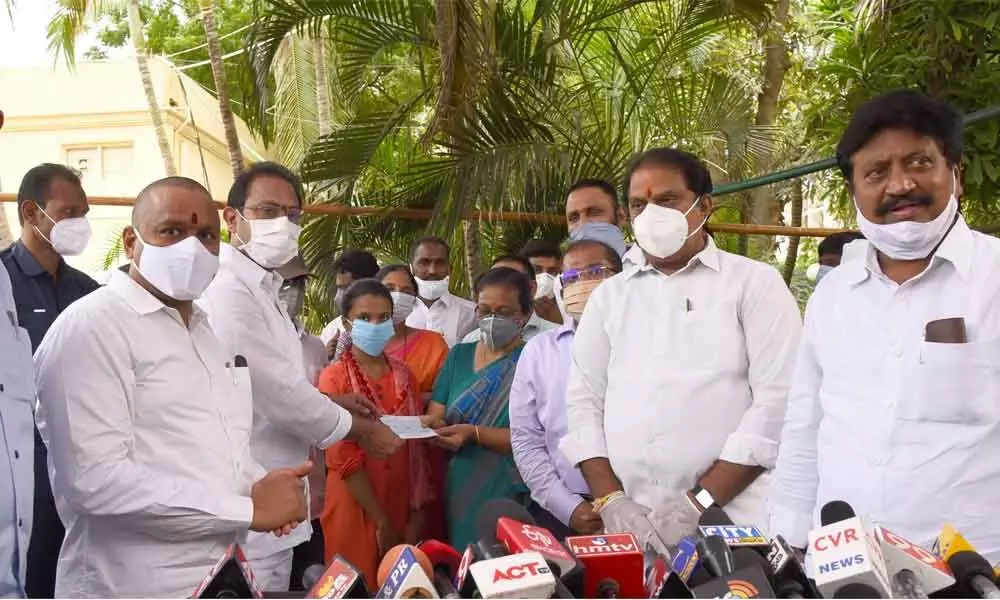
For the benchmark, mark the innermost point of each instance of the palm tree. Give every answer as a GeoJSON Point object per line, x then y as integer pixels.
{"type": "Point", "coordinates": [495, 105]}
{"type": "Point", "coordinates": [221, 87]}
{"type": "Point", "coordinates": [70, 22]}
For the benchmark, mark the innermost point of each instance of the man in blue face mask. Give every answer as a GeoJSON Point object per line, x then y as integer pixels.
{"type": "Point", "coordinates": [831, 249]}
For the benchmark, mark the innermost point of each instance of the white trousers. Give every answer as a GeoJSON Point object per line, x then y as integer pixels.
{"type": "Point", "coordinates": [273, 572]}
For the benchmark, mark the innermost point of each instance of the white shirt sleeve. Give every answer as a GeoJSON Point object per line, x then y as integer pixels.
{"type": "Point", "coordinates": [772, 325]}
{"type": "Point", "coordinates": [793, 489]}
{"type": "Point", "coordinates": [588, 381]}
{"type": "Point", "coordinates": [281, 392]}
{"type": "Point", "coordinates": [84, 380]}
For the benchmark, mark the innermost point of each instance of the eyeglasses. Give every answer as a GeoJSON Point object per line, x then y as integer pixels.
{"type": "Point", "coordinates": [268, 210]}
{"type": "Point", "coordinates": [586, 274]}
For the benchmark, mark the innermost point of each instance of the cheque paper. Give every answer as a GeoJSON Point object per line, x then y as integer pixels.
{"type": "Point", "coordinates": [407, 428]}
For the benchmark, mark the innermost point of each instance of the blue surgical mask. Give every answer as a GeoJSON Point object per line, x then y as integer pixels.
{"type": "Point", "coordinates": [610, 235]}
{"type": "Point", "coordinates": [823, 270]}
{"type": "Point", "coordinates": [371, 338]}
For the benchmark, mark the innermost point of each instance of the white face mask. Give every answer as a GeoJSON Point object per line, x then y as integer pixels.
{"type": "Point", "coordinates": [910, 240]}
{"type": "Point", "coordinates": [68, 237]}
{"type": "Point", "coordinates": [181, 271]}
{"type": "Point", "coordinates": [402, 305]}
{"type": "Point", "coordinates": [662, 231]}
{"type": "Point", "coordinates": [822, 271]}
{"type": "Point", "coordinates": [546, 283]}
{"type": "Point", "coordinates": [432, 290]}
{"type": "Point", "coordinates": [273, 242]}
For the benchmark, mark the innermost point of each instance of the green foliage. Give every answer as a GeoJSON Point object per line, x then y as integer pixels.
{"type": "Point", "coordinates": [947, 48]}
{"type": "Point", "coordinates": [174, 28]}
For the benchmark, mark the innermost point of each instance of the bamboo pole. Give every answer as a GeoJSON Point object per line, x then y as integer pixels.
{"type": "Point", "coordinates": [419, 214]}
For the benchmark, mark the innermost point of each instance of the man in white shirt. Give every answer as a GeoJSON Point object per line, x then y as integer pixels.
{"type": "Point", "coordinates": [894, 406]}
{"type": "Point", "coordinates": [349, 267]}
{"type": "Point", "coordinates": [535, 324]}
{"type": "Point", "coordinates": [680, 368]}
{"type": "Point", "coordinates": [290, 415]}
{"type": "Point", "coordinates": [147, 418]}
{"type": "Point", "coordinates": [17, 455]}
{"type": "Point", "coordinates": [438, 310]}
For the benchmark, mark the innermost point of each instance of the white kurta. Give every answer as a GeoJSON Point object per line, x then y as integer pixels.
{"type": "Point", "coordinates": [904, 430]}
{"type": "Point", "coordinates": [148, 429]}
{"type": "Point", "coordinates": [670, 373]}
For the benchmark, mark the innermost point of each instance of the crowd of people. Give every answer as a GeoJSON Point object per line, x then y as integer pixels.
{"type": "Point", "coordinates": [149, 423]}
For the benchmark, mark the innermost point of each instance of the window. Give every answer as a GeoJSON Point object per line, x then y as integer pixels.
{"type": "Point", "coordinates": [101, 162]}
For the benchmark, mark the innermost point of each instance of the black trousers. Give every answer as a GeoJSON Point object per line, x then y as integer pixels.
{"type": "Point", "coordinates": [547, 520]}
{"type": "Point", "coordinates": [46, 531]}
{"type": "Point", "coordinates": [307, 553]}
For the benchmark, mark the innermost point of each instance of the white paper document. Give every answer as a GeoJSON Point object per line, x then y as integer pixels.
{"type": "Point", "coordinates": [407, 428]}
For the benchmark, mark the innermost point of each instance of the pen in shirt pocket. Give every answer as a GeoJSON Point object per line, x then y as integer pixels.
{"type": "Point", "coordinates": [688, 307]}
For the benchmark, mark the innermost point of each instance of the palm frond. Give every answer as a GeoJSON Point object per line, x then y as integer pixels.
{"type": "Point", "coordinates": [295, 111]}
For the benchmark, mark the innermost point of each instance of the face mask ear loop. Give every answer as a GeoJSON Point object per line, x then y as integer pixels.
{"type": "Point", "coordinates": [236, 234]}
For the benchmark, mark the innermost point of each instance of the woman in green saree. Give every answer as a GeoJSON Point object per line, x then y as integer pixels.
{"type": "Point", "coordinates": [469, 403]}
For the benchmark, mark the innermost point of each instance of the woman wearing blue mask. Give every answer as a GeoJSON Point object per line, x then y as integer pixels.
{"type": "Point", "coordinates": [372, 505]}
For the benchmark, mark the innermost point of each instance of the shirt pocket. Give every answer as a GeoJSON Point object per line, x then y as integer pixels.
{"type": "Point", "coordinates": [241, 411]}
{"type": "Point", "coordinates": [710, 337]}
{"type": "Point", "coordinates": [955, 383]}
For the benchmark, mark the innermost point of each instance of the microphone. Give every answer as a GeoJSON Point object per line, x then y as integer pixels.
{"type": "Point", "coordinates": [971, 570]}
{"type": "Point", "coordinates": [611, 563]}
{"type": "Point", "coordinates": [524, 575]}
{"type": "Point", "coordinates": [446, 561]}
{"type": "Point", "coordinates": [915, 571]}
{"type": "Point", "coordinates": [856, 590]}
{"type": "Point", "coordinates": [845, 552]}
{"type": "Point", "coordinates": [339, 580]}
{"type": "Point", "coordinates": [465, 585]}
{"type": "Point", "coordinates": [717, 555]}
{"type": "Point", "coordinates": [405, 573]}
{"type": "Point", "coordinates": [749, 579]}
{"type": "Point", "coordinates": [510, 524]}
{"type": "Point", "coordinates": [229, 578]}
{"type": "Point", "coordinates": [790, 580]}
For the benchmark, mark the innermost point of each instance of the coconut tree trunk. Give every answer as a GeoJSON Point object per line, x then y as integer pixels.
{"type": "Point", "coordinates": [765, 208]}
{"type": "Point", "coordinates": [221, 87]}
{"type": "Point", "coordinates": [795, 191]}
{"type": "Point", "coordinates": [142, 60]}
{"type": "Point", "coordinates": [324, 110]}
{"type": "Point", "coordinates": [470, 231]}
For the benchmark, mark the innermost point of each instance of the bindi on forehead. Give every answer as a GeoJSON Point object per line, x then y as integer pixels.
{"type": "Point", "coordinates": [194, 218]}
{"type": "Point", "coordinates": [649, 191]}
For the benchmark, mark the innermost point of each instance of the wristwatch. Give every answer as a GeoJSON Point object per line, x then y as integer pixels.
{"type": "Point", "coordinates": [701, 498]}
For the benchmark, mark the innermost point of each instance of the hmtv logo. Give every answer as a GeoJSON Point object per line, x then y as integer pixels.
{"type": "Point", "coordinates": [736, 535]}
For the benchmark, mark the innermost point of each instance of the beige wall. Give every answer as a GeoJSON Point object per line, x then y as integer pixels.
{"type": "Point", "coordinates": [97, 117]}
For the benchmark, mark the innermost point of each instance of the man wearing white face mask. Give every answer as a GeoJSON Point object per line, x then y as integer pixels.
{"type": "Point", "coordinates": [680, 367]}
{"type": "Point", "coordinates": [894, 402]}
{"type": "Point", "coordinates": [438, 310]}
{"type": "Point", "coordinates": [546, 260]}
{"type": "Point", "coordinates": [52, 209]}
{"type": "Point", "coordinates": [290, 415]}
{"type": "Point", "coordinates": [147, 417]}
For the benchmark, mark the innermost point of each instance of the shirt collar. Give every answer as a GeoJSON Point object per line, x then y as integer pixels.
{"type": "Point", "coordinates": [247, 271]}
{"type": "Point", "coordinates": [142, 301]}
{"type": "Point", "coordinates": [567, 328]}
{"type": "Point", "coordinates": [27, 263]}
{"type": "Point", "coordinates": [708, 256]}
{"type": "Point", "coordinates": [860, 258]}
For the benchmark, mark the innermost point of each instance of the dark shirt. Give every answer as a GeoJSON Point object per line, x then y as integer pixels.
{"type": "Point", "coordinates": [38, 297]}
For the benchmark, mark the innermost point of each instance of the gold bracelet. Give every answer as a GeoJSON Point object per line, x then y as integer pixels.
{"type": "Point", "coordinates": [604, 500]}
{"type": "Point", "coordinates": [478, 443]}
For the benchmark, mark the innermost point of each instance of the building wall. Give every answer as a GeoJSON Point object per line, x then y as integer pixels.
{"type": "Point", "coordinates": [96, 119]}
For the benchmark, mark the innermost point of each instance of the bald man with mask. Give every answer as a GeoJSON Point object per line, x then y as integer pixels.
{"type": "Point", "coordinates": [147, 417]}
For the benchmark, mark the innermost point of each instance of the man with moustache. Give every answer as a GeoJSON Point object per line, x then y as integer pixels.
{"type": "Point", "coordinates": [680, 367]}
{"type": "Point", "coordinates": [147, 417]}
{"type": "Point", "coordinates": [894, 405]}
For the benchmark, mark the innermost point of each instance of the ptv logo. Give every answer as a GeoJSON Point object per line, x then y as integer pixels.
{"type": "Point", "coordinates": [520, 572]}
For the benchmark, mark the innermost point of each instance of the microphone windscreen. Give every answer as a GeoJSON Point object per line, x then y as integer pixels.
{"type": "Point", "coordinates": [490, 513]}
{"type": "Point", "coordinates": [835, 511]}
{"type": "Point", "coordinates": [390, 558]}
{"type": "Point", "coordinates": [714, 515]}
{"type": "Point", "coordinates": [967, 564]}
{"type": "Point", "coordinates": [857, 590]}
{"type": "Point", "coordinates": [311, 575]}
{"type": "Point", "coordinates": [441, 555]}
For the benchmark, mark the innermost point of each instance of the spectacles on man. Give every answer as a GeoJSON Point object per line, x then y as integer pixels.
{"type": "Point", "coordinates": [588, 273]}
{"type": "Point", "coordinates": [268, 210]}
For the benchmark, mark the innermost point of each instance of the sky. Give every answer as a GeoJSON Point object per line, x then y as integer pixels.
{"type": "Point", "coordinates": [22, 42]}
